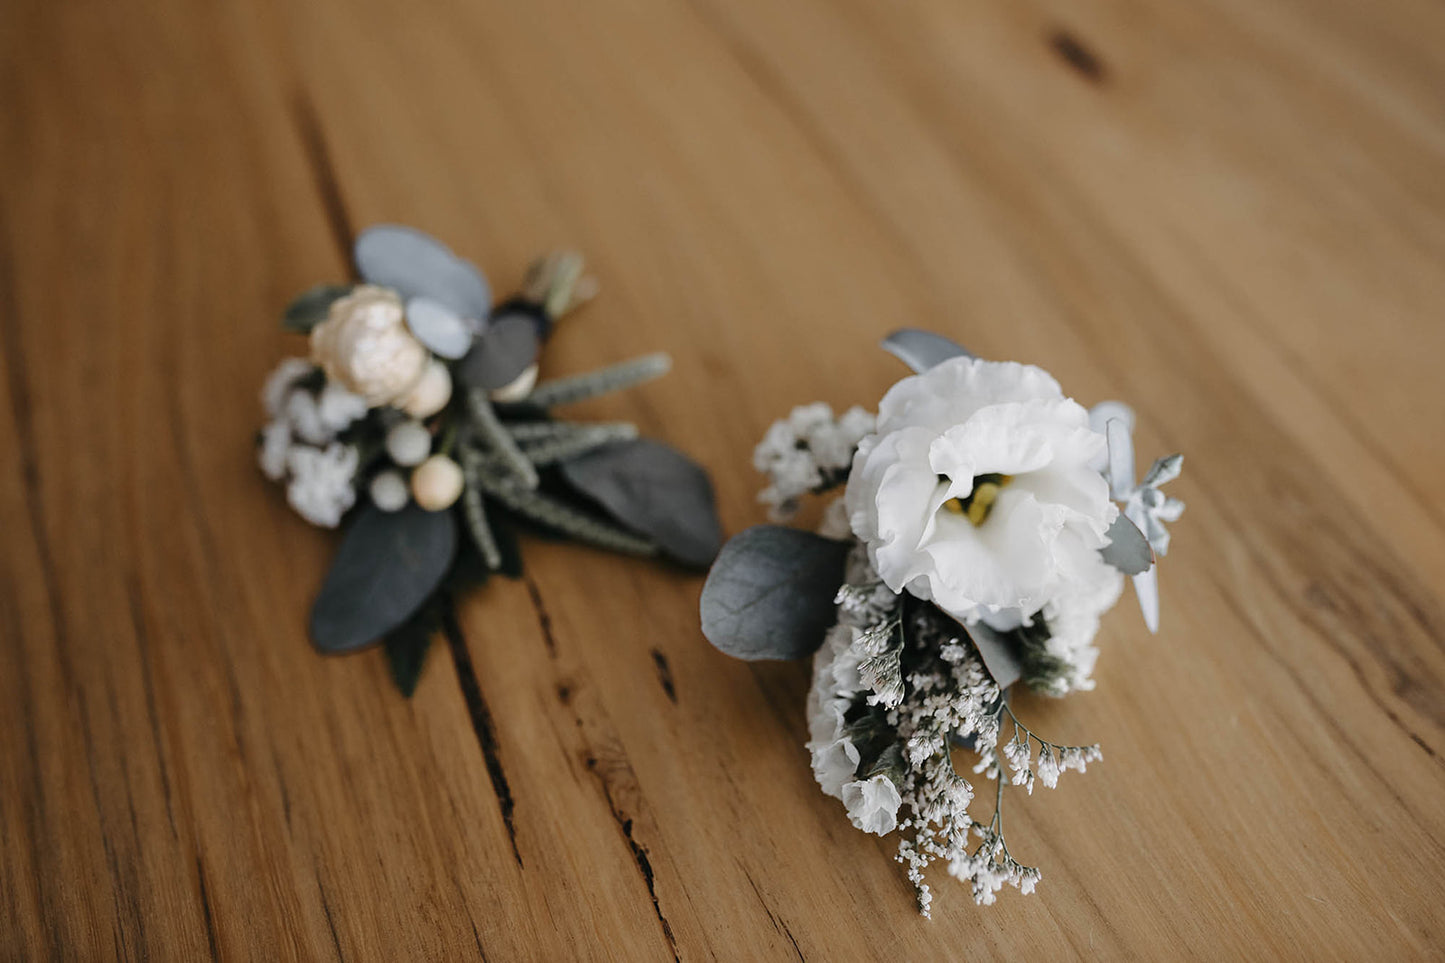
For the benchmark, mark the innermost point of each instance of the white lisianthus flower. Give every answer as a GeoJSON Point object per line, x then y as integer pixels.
{"type": "Point", "coordinates": [873, 804]}
{"type": "Point", "coordinates": [977, 491]}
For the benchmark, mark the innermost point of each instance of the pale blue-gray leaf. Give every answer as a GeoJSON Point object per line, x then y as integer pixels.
{"type": "Point", "coordinates": [1146, 588]}
{"type": "Point", "coordinates": [656, 491]}
{"type": "Point", "coordinates": [1000, 656]}
{"type": "Point", "coordinates": [1128, 550]}
{"type": "Point", "coordinates": [1121, 458]}
{"type": "Point", "coordinates": [388, 564]}
{"type": "Point", "coordinates": [444, 332]}
{"type": "Point", "coordinates": [770, 593]}
{"type": "Point", "coordinates": [417, 264]}
{"type": "Point", "coordinates": [504, 349]}
{"type": "Point", "coordinates": [921, 350]}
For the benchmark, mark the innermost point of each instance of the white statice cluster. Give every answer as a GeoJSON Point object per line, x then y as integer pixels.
{"type": "Point", "coordinates": [809, 451]}
{"type": "Point", "coordinates": [864, 604]}
{"type": "Point", "coordinates": [299, 444]}
{"type": "Point", "coordinates": [896, 686]}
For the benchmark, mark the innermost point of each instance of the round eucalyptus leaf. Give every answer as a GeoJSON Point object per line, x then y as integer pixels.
{"type": "Point", "coordinates": [444, 332]}
{"type": "Point", "coordinates": [654, 490]}
{"type": "Point", "coordinates": [418, 265]}
{"type": "Point", "coordinates": [388, 565]}
{"type": "Point", "coordinates": [770, 593]}
{"type": "Point", "coordinates": [504, 349]}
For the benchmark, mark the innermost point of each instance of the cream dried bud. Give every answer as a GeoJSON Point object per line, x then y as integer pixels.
{"type": "Point", "coordinates": [518, 388]}
{"type": "Point", "coordinates": [365, 344]}
{"type": "Point", "coordinates": [431, 393]}
{"type": "Point", "coordinates": [437, 483]}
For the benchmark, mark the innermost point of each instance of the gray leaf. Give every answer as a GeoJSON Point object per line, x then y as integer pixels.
{"type": "Point", "coordinates": [1128, 550]}
{"type": "Point", "coordinates": [389, 563]}
{"type": "Point", "coordinates": [770, 593]}
{"type": "Point", "coordinates": [998, 654]}
{"type": "Point", "coordinates": [500, 353]}
{"type": "Point", "coordinates": [921, 350]}
{"type": "Point", "coordinates": [444, 332]}
{"type": "Point", "coordinates": [417, 264]}
{"type": "Point", "coordinates": [311, 306]}
{"type": "Point", "coordinates": [656, 491]}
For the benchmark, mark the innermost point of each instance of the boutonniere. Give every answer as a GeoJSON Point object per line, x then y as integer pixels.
{"type": "Point", "coordinates": [418, 421]}
{"type": "Point", "coordinates": [986, 521]}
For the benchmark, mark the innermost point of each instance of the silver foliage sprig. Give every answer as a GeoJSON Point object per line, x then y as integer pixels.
{"type": "Point", "coordinates": [575, 388]}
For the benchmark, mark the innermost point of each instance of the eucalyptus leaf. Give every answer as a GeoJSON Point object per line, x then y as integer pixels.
{"type": "Point", "coordinates": [504, 349]}
{"type": "Point", "coordinates": [388, 565]}
{"type": "Point", "coordinates": [1128, 550]}
{"type": "Point", "coordinates": [418, 265]}
{"type": "Point", "coordinates": [770, 593]}
{"type": "Point", "coordinates": [1000, 655]}
{"type": "Point", "coordinates": [921, 350]}
{"type": "Point", "coordinates": [406, 647]}
{"type": "Point", "coordinates": [654, 490]}
{"type": "Point", "coordinates": [444, 332]}
{"type": "Point", "coordinates": [311, 306]}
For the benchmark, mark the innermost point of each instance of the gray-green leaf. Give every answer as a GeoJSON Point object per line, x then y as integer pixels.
{"type": "Point", "coordinates": [770, 593]}
{"type": "Point", "coordinates": [311, 306]}
{"type": "Point", "coordinates": [656, 491]}
{"type": "Point", "coordinates": [999, 655]}
{"type": "Point", "coordinates": [504, 349]}
{"type": "Point", "coordinates": [921, 350]}
{"type": "Point", "coordinates": [388, 565]}
{"type": "Point", "coordinates": [1128, 550]}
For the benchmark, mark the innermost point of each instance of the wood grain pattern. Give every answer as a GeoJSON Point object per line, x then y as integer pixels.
{"type": "Point", "coordinates": [1229, 213]}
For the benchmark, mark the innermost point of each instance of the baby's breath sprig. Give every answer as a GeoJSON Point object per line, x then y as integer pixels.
{"type": "Point", "coordinates": [1053, 758]}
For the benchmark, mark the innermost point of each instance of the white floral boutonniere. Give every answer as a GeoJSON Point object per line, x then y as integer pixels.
{"type": "Point", "coordinates": [418, 422]}
{"type": "Point", "coordinates": [986, 524]}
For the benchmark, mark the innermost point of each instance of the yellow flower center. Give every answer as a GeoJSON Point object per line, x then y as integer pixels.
{"type": "Point", "coordinates": [978, 503]}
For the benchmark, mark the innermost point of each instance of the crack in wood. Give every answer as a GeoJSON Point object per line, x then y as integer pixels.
{"type": "Point", "coordinates": [1073, 52]}
{"type": "Point", "coordinates": [664, 675]}
{"type": "Point", "coordinates": [330, 922]}
{"type": "Point", "coordinates": [481, 718]}
{"type": "Point", "coordinates": [639, 853]}
{"type": "Point", "coordinates": [778, 923]}
{"type": "Point", "coordinates": [544, 620]}
{"type": "Point", "coordinates": [142, 638]}
{"type": "Point", "coordinates": [323, 171]}
{"type": "Point", "coordinates": [206, 909]}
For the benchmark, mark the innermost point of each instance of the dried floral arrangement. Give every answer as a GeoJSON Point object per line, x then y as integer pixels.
{"type": "Point", "coordinates": [987, 522]}
{"type": "Point", "coordinates": [419, 422]}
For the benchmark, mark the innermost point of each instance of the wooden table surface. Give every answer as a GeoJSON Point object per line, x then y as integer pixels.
{"type": "Point", "coordinates": [1230, 213]}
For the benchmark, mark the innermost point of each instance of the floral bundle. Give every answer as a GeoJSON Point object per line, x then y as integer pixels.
{"type": "Point", "coordinates": [419, 416]}
{"type": "Point", "coordinates": [987, 522]}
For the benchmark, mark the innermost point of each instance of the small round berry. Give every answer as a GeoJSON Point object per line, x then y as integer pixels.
{"type": "Point", "coordinates": [408, 443]}
{"type": "Point", "coordinates": [389, 492]}
{"type": "Point", "coordinates": [437, 483]}
{"type": "Point", "coordinates": [431, 393]}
